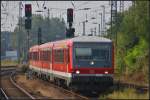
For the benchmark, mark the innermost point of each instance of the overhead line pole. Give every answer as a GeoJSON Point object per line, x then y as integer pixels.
{"type": "Point", "coordinates": [83, 28]}
{"type": "Point", "coordinates": [121, 5]}
{"type": "Point", "coordinates": [114, 18]}
{"type": "Point", "coordinates": [101, 24]}
{"type": "Point", "coordinates": [103, 19]}
{"type": "Point", "coordinates": [20, 14]}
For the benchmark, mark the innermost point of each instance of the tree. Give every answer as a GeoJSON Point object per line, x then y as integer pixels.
{"type": "Point", "coordinates": [52, 29]}
{"type": "Point", "coordinates": [133, 37]}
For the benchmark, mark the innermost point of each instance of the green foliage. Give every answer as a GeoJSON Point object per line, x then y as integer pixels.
{"type": "Point", "coordinates": [52, 29]}
{"type": "Point", "coordinates": [7, 63]}
{"type": "Point", "coordinates": [133, 23]}
{"type": "Point", "coordinates": [125, 94]}
{"type": "Point", "coordinates": [135, 53]}
{"type": "Point", "coordinates": [24, 68]}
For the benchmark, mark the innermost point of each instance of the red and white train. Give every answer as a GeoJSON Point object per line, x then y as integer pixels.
{"type": "Point", "coordinates": [85, 62]}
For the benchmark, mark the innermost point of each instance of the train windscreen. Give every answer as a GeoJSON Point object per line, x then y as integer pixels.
{"type": "Point", "coordinates": [96, 53]}
{"type": "Point", "coordinates": [93, 54]}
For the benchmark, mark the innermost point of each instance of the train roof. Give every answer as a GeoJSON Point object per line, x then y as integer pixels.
{"type": "Point", "coordinates": [75, 39]}
{"type": "Point", "coordinates": [90, 39]}
{"type": "Point", "coordinates": [34, 48]}
{"type": "Point", "coordinates": [85, 39]}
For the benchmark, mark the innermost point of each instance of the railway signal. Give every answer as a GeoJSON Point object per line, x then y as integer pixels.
{"type": "Point", "coordinates": [28, 10]}
{"type": "Point", "coordinates": [28, 23]}
{"type": "Point", "coordinates": [28, 15]}
{"type": "Point", "coordinates": [39, 36]}
{"type": "Point", "coordinates": [70, 15]}
{"type": "Point", "coordinates": [70, 31]}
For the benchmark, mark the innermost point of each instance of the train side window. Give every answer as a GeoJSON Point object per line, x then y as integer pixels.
{"type": "Point", "coordinates": [45, 55]}
{"type": "Point", "coordinates": [38, 55]}
{"type": "Point", "coordinates": [50, 54]}
{"type": "Point", "coordinates": [31, 55]}
{"type": "Point", "coordinates": [35, 56]}
{"type": "Point", "coordinates": [59, 56]}
{"type": "Point", "coordinates": [67, 55]}
{"type": "Point", "coordinates": [42, 55]}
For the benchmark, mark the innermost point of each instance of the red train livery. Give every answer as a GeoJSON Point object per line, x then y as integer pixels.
{"type": "Point", "coordinates": [85, 62]}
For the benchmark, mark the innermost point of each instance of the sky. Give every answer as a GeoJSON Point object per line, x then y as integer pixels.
{"type": "Point", "coordinates": [10, 12]}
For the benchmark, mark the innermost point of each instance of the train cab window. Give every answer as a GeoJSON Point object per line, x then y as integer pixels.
{"type": "Point", "coordinates": [83, 53]}
{"type": "Point", "coordinates": [59, 56]}
{"type": "Point", "coordinates": [95, 53]}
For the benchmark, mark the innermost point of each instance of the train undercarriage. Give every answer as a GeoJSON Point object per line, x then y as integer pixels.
{"type": "Point", "coordinates": [80, 83]}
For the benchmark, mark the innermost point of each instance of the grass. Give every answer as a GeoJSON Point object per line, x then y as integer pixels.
{"type": "Point", "coordinates": [125, 94]}
{"type": "Point", "coordinates": [8, 63]}
{"type": "Point", "coordinates": [137, 78]}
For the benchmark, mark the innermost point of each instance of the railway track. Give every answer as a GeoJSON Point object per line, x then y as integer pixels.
{"type": "Point", "coordinates": [3, 94]}
{"type": "Point", "coordinates": [10, 90]}
{"type": "Point", "coordinates": [6, 71]}
{"type": "Point", "coordinates": [117, 86]}
{"type": "Point", "coordinates": [66, 91]}
{"type": "Point", "coordinates": [68, 94]}
{"type": "Point", "coordinates": [139, 88]}
{"type": "Point", "coordinates": [9, 86]}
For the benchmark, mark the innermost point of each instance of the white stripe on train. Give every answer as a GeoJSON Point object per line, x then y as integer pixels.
{"type": "Point", "coordinates": [67, 74]}
{"type": "Point", "coordinates": [51, 72]}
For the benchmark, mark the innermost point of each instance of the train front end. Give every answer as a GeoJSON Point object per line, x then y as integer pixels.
{"type": "Point", "coordinates": [93, 63]}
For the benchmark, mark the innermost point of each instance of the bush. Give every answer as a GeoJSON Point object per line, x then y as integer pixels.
{"type": "Point", "coordinates": [133, 55]}
{"type": "Point", "coordinates": [24, 68]}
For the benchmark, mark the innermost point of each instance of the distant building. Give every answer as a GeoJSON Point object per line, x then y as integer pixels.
{"type": "Point", "coordinates": [6, 45]}
{"type": "Point", "coordinates": [11, 55]}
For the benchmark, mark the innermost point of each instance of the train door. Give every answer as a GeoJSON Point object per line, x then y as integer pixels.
{"type": "Point", "coordinates": [50, 59]}
{"type": "Point", "coordinates": [66, 59]}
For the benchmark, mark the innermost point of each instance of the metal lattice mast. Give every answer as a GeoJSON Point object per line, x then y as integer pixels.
{"type": "Point", "coordinates": [103, 31]}
{"type": "Point", "coordinates": [121, 5]}
{"type": "Point", "coordinates": [113, 15]}
{"type": "Point", "coordinates": [114, 23]}
{"type": "Point", "coordinates": [20, 19]}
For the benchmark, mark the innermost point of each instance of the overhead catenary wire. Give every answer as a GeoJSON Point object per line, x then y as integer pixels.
{"type": "Point", "coordinates": [37, 4]}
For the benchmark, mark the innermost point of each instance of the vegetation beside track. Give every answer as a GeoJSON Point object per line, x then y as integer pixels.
{"type": "Point", "coordinates": [125, 94]}
{"type": "Point", "coordinates": [132, 56]}
{"type": "Point", "coordinates": [8, 63]}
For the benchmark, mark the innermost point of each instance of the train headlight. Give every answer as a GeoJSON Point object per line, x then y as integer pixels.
{"type": "Point", "coordinates": [106, 72]}
{"type": "Point", "coordinates": [92, 62]}
{"type": "Point", "coordinates": [77, 72]}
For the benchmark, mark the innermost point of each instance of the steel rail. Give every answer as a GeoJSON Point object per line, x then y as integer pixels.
{"type": "Point", "coordinates": [3, 93]}
{"type": "Point", "coordinates": [130, 85]}
{"type": "Point", "coordinates": [71, 92]}
{"type": "Point", "coordinates": [17, 86]}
